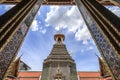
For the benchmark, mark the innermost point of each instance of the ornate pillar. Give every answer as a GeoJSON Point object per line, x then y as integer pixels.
{"type": "Point", "coordinates": [1, 1]}
{"type": "Point", "coordinates": [14, 26]}
{"type": "Point", "coordinates": [116, 2]}
{"type": "Point", "coordinates": [104, 27]}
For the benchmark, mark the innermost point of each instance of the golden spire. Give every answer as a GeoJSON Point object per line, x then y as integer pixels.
{"type": "Point", "coordinates": [104, 71]}
{"type": "Point", "coordinates": [13, 69]}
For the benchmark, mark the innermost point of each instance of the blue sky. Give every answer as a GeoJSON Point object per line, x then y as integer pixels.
{"type": "Point", "coordinates": [48, 21]}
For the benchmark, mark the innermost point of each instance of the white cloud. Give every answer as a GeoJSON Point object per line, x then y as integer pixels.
{"type": "Point", "coordinates": [91, 48]}
{"type": "Point", "coordinates": [83, 35]}
{"type": "Point", "coordinates": [35, 25]}
{"type": "Point", "coordinates": [68, 18]}
{"type": "Point", "coordinates": [114, 9]}
{"type": "Point", "coordinates": [82, 51]}
{"type": "Point", "coordinates": [39, 22]}
{"type": "Point", "coordinates": [47, 25]}
{"type": "Point", "coordinates": [7, 7]}
{"type": "Point", "coordinates": [43, 31]}
{"type": "Point", "coordinates": [38, 13]}
{"type": "Point", "coordinates": [85, 42]}
{"type": "Point", "coordinates": [64, 18]}
{"type": "Point", "coordinates": [61, 17]}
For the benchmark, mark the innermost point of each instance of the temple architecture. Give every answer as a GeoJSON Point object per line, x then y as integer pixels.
{"type": "Point", "coordinates": [13, 70]}
{"type": "Point", "coordinates": [103, 25]}
{"type": "Point", "coordinates": [59, 65]}
{"type": "Point", "coordinates": [103, 74]}
{"type": "Point", "coordinates": [16, 66]}
{"type": "Point", "coordinates": [82, 75]}
{"type": "Point", "coordinates": [63, 2]}
{"type": "Point", "coordinates": [104, 70]}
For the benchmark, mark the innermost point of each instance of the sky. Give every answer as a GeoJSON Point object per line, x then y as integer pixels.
{"type": "Point", "coordinates": [68, 20]}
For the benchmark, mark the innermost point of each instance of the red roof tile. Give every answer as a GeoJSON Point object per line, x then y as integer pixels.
{"type": "Point", "coordinates": [29, 74]}
{"type": "Point", "coordinates": [35, 75]}
{"type": "Point", "coordinates": [89, 74]}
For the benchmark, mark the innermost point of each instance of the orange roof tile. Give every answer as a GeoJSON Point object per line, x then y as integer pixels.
{"type": "Point", "coordinates": [29, 73]}
{"type": "Point", "coordinates": [89, 74]}
{"type": "Point", "coordinates": [38, 73]}
{"type": "Point", "coordinates": [35, 75]}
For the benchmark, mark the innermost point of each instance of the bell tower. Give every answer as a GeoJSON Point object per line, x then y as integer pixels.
{"type": "Point", "coordinates": [59, 60]}
{"type": "Point", "coordinates": [59, 38]}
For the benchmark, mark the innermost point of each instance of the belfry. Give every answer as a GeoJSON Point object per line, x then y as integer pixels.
{"type": "Point", "coordinates": [59, 65]}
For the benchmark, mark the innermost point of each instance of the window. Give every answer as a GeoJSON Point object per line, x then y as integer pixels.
{"type": "Point", "coordinates": [59, 39]}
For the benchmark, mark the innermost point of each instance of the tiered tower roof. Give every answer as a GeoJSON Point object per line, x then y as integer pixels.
{"type": "Point", "coordinates": [59, 51]}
